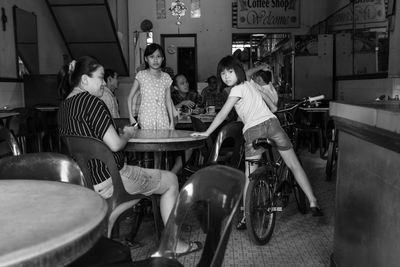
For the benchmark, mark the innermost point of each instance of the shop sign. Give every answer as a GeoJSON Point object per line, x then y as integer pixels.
{"type": "Point", "coordinates": [268, 13]}
{"type": "Point", "coordinates": [365, 11]}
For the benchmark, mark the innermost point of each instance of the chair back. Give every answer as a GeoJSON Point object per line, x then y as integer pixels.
{"type": "Point", "coordinates": [232, 131]}
{"type": "Point", "coordinates": [42, 166]}
{"type": "Point", "coordinates": [85, 149]}
{"type": "Point", "coordinates": [199, 126]}
{"type": "Point", "coordinates": [209, 198]}
{"type": "Point", "coordinates": [8, 144]}
{"type": "Point", "coordinates": [28, 128]}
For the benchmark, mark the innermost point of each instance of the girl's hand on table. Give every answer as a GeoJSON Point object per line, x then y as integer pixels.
{"type": "Point", "coordinates": [199, 134]}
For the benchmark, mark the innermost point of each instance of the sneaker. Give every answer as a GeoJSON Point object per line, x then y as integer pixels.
{"type": "Point", "coordinates": [242, 224]}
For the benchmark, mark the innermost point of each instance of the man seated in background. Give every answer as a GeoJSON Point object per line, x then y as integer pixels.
{"type": "Point", "coordinates": [211, 95]}
{"type": "Point", "coordinates": [111, 79]}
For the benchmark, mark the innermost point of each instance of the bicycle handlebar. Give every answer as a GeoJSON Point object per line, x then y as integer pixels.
{"type": "Point", "coordinates": [306, 100]}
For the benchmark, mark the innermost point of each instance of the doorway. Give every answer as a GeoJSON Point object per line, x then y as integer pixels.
{"type": "Point", "coordinates": [181, 55]}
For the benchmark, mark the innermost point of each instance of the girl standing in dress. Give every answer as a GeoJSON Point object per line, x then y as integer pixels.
{"type": "Point", "coordinates": [155, 110]}
{"type": "Point", "coordinates": [253, 109]}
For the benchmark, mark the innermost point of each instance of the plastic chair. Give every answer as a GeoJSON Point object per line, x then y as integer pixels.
{"type": "Point", "coordinates": [8, 144]}
{"type": "Point", "coordinates": [84, 149]}
{"type": "Point", "coordinates": [61, 168]}
{"type": "Point", "coordinates": [199, 126]}
{"type": "Point", "coordinates": [233, 132]}
{"type": "Point", "coordinates": [232, 157]}
{"type": "Point", "coordinates": [27, 128]}
{"type": "Point", "coordinates": [210, 199]}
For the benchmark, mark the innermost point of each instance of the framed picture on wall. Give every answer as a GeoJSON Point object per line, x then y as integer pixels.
{"type": "Point", "coordinates": [391, 8]}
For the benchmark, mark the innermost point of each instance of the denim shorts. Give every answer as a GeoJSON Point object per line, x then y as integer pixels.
{"type": "Point", "coordinates": [136, 180]}
{"type": "Point", "coordinates": [270, 129]}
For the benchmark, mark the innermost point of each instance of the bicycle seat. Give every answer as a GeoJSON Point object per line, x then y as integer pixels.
{"type": "Point", "coordinates": [263, 142]}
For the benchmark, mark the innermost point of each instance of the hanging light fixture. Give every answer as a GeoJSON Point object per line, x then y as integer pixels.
{"type": "Point", "coordinates": [178, 10]}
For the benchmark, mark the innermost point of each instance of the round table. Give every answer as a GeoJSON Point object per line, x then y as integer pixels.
{"type": "Point", "coordinates": [163, 140]}
{"type": "Point", "coordinates": [185, 122]}
{"type": "Point", "coordinates": [46, 223]}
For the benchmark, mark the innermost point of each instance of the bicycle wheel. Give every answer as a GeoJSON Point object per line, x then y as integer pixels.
{"type": "Point", "coordinates": [260, 217]}
{"type": "Point", "coordinates": [298, 194]}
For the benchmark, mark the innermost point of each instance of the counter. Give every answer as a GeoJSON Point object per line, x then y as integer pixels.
{"type": "Point", "coordinates": [367, 212]}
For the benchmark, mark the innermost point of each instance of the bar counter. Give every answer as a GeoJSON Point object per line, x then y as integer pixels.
{"type": "Point", "coordinates": [367, 212]}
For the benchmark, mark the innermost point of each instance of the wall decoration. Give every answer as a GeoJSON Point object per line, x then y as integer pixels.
{"type": "Point", "coordinates": [195, 11]}
{"type": "Point", "coordinates": [161, 12]}
{"type": "Point", "coordinates": [268, 13]}
{"type": "Point", "coordinates": [178, 10]}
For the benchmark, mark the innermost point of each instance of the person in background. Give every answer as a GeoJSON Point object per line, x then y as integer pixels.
{"type": "Point", "coordinates": [258, 121]}
{"type": "Point", "coordinates": [155, 110]}
{"type": "Point", "coordinates": [181, 95]}
{"type": "Point", "coordinates": [82, 113]}
{"type": "Point", "coordinates": [108, 97]}
{"type": "Point", "coordinates": [184, 99]}
{"type": "Point", "coordinates": [211, 96]}
{"type": "Point", "coordinates": [264, 79]}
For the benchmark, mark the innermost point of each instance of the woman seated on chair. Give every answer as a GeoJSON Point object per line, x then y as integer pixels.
{"type": "Point", "coordinates": [83, 113]}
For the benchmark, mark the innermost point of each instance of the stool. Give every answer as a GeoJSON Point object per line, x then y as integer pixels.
{"type": "Point", "coordinates": [313, 132]}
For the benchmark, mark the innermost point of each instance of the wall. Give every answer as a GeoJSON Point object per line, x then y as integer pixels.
{"type": "Point", "coordinates": [51, 49]}
{"type": "Point", "coordinates": [214, 28]}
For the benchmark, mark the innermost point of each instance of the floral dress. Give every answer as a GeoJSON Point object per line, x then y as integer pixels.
{"type": "Point", "coordinates": [153, 112]}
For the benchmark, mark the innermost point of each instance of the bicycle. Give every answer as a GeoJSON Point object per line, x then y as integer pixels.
{"type": "Point", "coordinates": [271, 184]}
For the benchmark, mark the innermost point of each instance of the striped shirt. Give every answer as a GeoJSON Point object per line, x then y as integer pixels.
{"type": "Point", "coordinates": [86, 115]}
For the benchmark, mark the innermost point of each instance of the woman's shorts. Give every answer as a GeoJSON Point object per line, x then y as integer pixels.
{"type": "Point", "coordinates": [136, 180]}
{"type": "Point", "coordinates": [270, 129]}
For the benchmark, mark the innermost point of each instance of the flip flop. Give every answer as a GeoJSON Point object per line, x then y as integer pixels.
{"type": "Point", "coordinates": [193, 247]}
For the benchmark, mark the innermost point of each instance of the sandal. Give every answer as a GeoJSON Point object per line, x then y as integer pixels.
{"type": "Point", "coordinates": [316, 212]}
{"type": "Point", "coordinates": [242, 224]}
{"type": "Point", "coordinates": [193, 247]}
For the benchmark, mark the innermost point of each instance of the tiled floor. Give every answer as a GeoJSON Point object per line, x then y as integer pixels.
{"type": "Point", "coordinates": [298, 240]}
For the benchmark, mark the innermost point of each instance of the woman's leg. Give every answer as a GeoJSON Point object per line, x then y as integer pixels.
{"type": "Point", "coordinates": [168, 190]}
{"type": "Point", "coordinates": [294, 165]}
{"type": "Point", "coordinates": [178, 161]}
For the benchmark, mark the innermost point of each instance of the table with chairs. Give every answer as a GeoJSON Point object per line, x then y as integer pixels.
{"type": "Point", "coordinates": [55, 167]}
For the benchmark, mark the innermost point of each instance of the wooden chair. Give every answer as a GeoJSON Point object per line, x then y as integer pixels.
{"type": "Point", "coordinates": [84, 149]}
{"type": "Point", "coordinates": [210, 199]}
{"type": "Point", "coordinates": [61, 168]}
{"type": "Point", "coordinates": [8, 144]}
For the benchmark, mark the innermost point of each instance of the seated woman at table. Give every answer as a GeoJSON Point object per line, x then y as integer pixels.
{"type": "Point", "coordinates": [83, 113]}
{"type": "Point", "coordinates": [181, 95]}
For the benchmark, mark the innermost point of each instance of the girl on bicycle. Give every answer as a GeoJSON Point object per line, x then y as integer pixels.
{"type": "Point", "coordinates": [254, 110]}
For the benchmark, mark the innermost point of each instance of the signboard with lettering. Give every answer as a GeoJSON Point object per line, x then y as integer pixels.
{"type": "Point", "coordinates": [365, 11]}
{"type": "Point", "coordinates": [268, 13]}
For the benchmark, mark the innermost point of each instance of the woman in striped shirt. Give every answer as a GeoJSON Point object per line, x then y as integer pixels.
{"type": "Point", "coordinates": [83, 113]}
